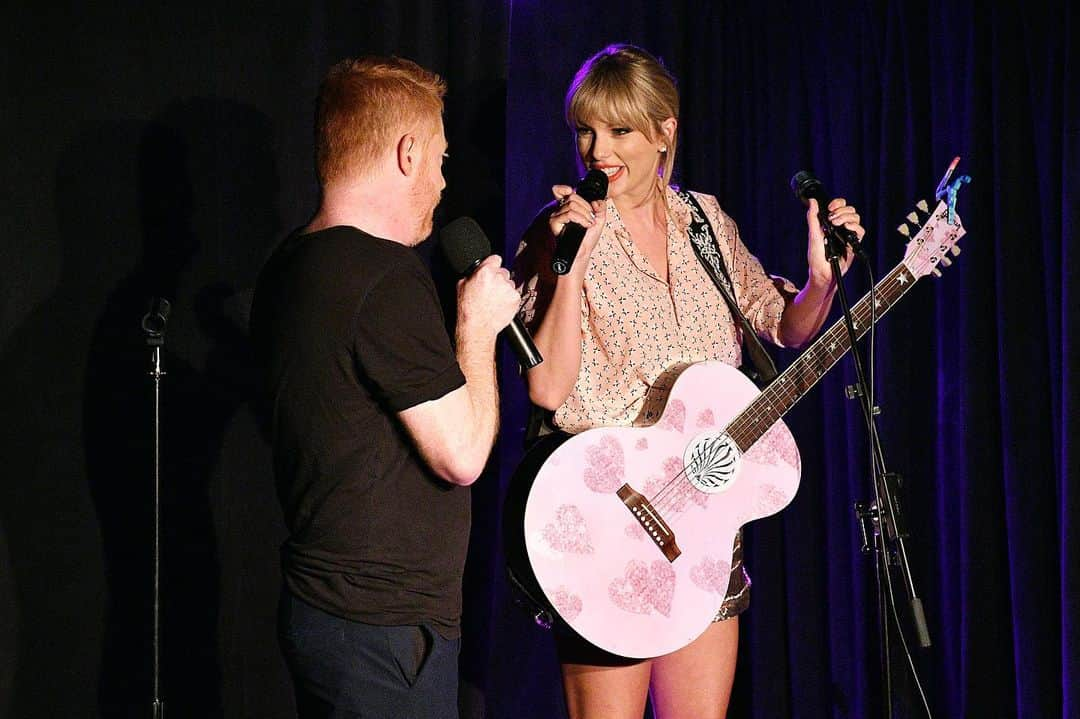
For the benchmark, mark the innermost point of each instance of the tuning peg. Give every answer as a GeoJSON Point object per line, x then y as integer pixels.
{"type": "Point", "coordinates": [904, 230]}
{"type": "Point", "coordinates": [923, 208]}
{"type": "Point", "coordinates": [946, 260]}
{"type": "Point", "coordinates": [922, 212]}
{"type": "Point", "coordinates": [913, 219]}
{"type": "Point", "coordinates": [935, 272]}
{"type": "Point", "coordinates": [955, 249]}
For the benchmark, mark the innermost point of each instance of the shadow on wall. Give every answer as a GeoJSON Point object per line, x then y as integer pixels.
{"type": "Point", "coordinates": [184, 207]}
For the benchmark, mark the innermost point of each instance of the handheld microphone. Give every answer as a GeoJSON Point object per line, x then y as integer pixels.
{"type": "Point", "coordinates": [592, 187]}
{"type": "Point", "coordinates": [465, 246]}
{"type": "Point", "coordinates": [806, 187]}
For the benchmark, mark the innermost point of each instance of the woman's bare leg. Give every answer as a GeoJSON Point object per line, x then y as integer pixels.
{"type": "Point", "coordinates": [606, 692]}
{"type": "Point", "coordinates": [695, 682]}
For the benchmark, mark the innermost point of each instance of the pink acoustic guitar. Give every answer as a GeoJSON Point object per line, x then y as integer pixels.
{"type": "Point", "coordinates": [627, 532]}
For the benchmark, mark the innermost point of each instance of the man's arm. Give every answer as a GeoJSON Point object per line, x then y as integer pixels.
{"type": "Point", "coordinates": [455, 432]}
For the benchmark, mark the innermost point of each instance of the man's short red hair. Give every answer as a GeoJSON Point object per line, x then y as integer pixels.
{"type": "Point", "coordinates": [365, 104]}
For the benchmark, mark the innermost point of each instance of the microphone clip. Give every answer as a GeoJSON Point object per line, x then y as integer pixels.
{"type": "Point", "coordinates": [155, 321]}
{"type": "Point", "coordinates": [838, 239]}
{"type": "Point", "coordinates": [807, 187]}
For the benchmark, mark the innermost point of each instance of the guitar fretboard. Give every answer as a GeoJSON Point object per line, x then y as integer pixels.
{"type": "Point", "coordinates": [794, 382]}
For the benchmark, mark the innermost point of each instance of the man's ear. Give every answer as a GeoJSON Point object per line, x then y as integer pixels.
{"type": "Point", "coordinates": [408, 154]}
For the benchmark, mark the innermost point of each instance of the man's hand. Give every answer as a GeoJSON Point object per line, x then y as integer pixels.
{"type": "Point", "coordinates": [487, 299]}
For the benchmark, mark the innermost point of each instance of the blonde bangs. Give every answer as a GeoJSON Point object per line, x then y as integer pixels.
{"type": "Point", "coordinates": [611, 99]}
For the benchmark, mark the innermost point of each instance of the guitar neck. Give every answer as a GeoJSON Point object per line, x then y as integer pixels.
{"type": "Point", "coordinates": [794, 382]}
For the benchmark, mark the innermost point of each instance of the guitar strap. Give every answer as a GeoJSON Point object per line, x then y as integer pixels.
{"type": "Point", "coordinates": [707, 249]}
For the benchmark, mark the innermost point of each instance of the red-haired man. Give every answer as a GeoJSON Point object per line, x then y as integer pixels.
{"type": "Point", "coordinates": [379, 424]}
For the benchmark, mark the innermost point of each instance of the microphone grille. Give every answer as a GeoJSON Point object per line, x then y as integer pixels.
{"type": "Point", "coordinates": [593, 186]}
{"type": "Point", "coordinates": [802, 183]}
{"type": "Point", "coordinates": [464, 244]}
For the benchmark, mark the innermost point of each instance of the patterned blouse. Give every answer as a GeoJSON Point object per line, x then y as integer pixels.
{"type": "Point", "coordinates": [638, 331]}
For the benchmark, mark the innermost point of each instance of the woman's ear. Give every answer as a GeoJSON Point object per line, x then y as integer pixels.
{"type": "Point", "coordinates": [668, 128]}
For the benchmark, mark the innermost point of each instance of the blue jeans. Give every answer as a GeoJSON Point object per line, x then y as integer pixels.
{"type": "Point", "coordinates": [343, 669]}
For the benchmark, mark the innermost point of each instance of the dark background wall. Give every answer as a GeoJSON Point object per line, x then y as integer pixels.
{"type": "Point", "coordinates": [163, 151]}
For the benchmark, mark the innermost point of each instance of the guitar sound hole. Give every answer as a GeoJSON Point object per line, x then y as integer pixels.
{"type": "Point", "coordinates": [712, 462]}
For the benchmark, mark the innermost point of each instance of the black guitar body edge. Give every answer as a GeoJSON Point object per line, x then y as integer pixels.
{"type": "Point", "coordinates": [518, 569]}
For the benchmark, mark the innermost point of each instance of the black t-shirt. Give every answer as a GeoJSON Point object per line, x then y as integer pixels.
{"type": "Point", "coordinates": [348, 330]}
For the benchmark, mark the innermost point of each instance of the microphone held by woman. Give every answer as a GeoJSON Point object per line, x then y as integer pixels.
{"type": "Point", "coordinates": [592, 187]}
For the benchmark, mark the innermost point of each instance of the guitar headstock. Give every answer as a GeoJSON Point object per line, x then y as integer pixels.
{"type": "Point", "coordinates": [937, 231]}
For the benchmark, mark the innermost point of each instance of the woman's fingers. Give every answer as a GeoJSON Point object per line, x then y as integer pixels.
{"type": "Point", "coordinates": [571, 208]}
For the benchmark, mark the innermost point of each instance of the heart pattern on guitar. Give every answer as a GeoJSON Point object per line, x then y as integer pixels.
{"type": "Point", "coordinates": [770, 500]}
{"type": "Point", "coordinates": [775, 446]}
{"type": "Point", "coordinates": [674, 416]}
{"type": "Point", "coordinates": [712, 575]}
{"type": "Point", "coordinates": [644, 588]}
{"type": "Point", "coordinates": [568, 533]}
{"type": "Point", "coordinates": [605, 465]}
{"type": "Point", "coordinates": [566, 603]}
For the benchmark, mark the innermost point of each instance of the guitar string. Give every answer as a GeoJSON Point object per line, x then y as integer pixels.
{"type": "Point", "coordinates": [740, 435]}
{"type": "Point", "coordinates": [746, 426]}
{"type": "Point", "coordinates": [806, 371]}
{"type": "Point", "coordinates": [745, 430]}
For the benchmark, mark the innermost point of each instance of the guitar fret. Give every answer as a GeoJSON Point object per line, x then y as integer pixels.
{"type": "Point", "coordinates": [788, 388]}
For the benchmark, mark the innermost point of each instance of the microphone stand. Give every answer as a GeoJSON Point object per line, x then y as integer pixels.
{"type": "Point", "coordinates": [153, 324]}
{"type": "Point", "coordinates": [884, 514]}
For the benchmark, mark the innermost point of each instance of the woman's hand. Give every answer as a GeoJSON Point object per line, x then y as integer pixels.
{"type": "Point", "coordinates": [841, 214]}
{"type": "Point", "coordinates": [574, 208]}
{"type": "Point", "coordinates": [806, 313]}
